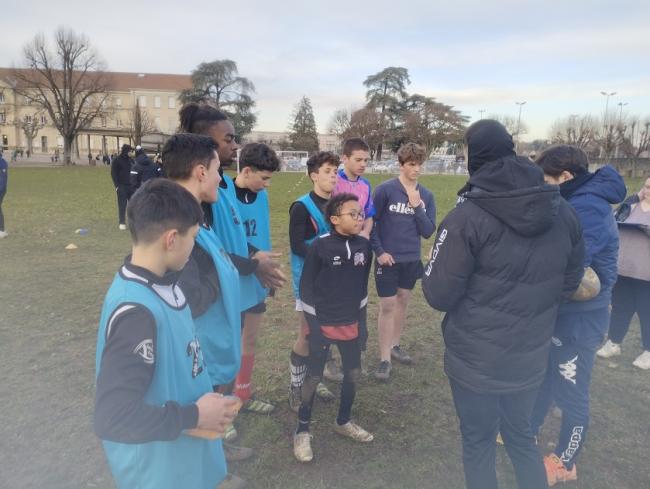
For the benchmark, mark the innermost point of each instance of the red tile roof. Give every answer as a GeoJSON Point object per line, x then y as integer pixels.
{"type": "Point", "coordinates": [121, 81]}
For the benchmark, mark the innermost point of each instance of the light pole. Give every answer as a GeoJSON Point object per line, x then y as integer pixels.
{"type": "Point", "coordinates": [620, 113]}
{"type": "Point", "coordinates": [607, 95]}
{"type": "Point", "coordinates": [520, 104]}
{"type": "Point", "coordinates": [481, 111]}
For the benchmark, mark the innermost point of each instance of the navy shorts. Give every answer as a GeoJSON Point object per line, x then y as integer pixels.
{"type": "Point", "coordinates": [399, 276]}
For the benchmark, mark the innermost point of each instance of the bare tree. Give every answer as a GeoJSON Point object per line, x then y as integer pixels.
{"type": "Point", "coordinates": [140, 124]}
{"type": "Point", "coordinates": [70, 84]}
{"type": "Point", "coordinates": [366, 124]}
{"type": "Point", "coordinates": [340, 122]}
{"type": "Point", "coordinates": [577, 130]}
{"type": "Point", "coordinates": [30, 125]}
{"type": "Point", "coordinates": [510, 123]}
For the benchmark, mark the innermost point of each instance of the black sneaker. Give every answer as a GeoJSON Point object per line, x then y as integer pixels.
{"type": "Point", "coordinates": [396, 353]}
{"type": "Point", "coordinates": [383, 371]}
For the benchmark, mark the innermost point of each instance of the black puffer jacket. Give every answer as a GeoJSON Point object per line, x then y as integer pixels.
{"type": "Point", "coordinates": [502, 262]}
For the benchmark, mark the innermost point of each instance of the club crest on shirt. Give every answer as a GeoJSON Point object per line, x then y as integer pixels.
{"type": "Point", "coordinates": [145, 350]}
{"type": "Point", "coordinates": [194, 350]}
{"type": "Point", "coordinates": [359, 259]}
{"type": "Point", "coordinates": [234, 216]}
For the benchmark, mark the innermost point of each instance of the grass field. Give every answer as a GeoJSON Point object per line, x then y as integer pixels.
{"type": "Point", "coordinates": [49, 308]}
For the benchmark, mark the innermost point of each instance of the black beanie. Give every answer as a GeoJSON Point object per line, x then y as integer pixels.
{"type": "Point", "coordinates": [487, 140]}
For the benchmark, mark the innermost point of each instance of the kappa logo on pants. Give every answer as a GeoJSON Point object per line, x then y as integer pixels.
{"type": "Point", "coordinates": [568, 370]}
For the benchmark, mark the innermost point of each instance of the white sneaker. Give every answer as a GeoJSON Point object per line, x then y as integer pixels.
{"type": "Point", "coordinates": [643, 361]}
{"type": "Point", "coordinates": [302, 447]}
{"type": "Point", "coordinates": [122, 227]}
{"type": "Point", "coordinates": [3, 234]}
{"type": "Point", "coordinates": [609, 349]}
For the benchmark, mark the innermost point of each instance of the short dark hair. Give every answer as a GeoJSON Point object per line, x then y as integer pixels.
{"type": "Point", "coordinates": [563, 157]}
{"type": "Point", "coordinates": [354, 144]}
{"type": "Point", "coordinates": [334, 205]}
{"type": "Point", "coordinates": [182, 152]}
{"type": "Point", "coordinates": [158, 206]}
{"type": "Point", "coordinates": [198, 118]}
{"type": "Point", "coordinates": [259, 157]}
{"type": "Point", "coordinates": [125, 149]}
{"type": "Point", "coordinates": [411, 152]}
{"type": "Point", "coordinates": [321, 158]}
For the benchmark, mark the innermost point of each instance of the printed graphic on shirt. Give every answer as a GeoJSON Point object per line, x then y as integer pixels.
{"type": "Point", "coordinates": [336, 261]}
{"type": "Point", "coordinates": [234, 216]}
{"type": "Point", "coordinates": [574, 444]}
{"type": "Point", "coordinates": [402, 208]}
{"type": "Point", "coordinates": [435, 250]}
{"type": "Point", "coordinates": [568, 370]}
{"type": "Point", "coordinates": [194, 350]}
{"type": "Point", "coordinates": [359, 259]}
{"type": "Point", "coordinates": [145, 350]}
{"type": "Point", "coordinates": [251, 227]}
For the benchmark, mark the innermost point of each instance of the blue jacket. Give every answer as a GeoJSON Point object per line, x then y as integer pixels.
{"type": "Point", "coordinates": [4, 175]}
{"type": "Point", "coordinates": [592, 201]}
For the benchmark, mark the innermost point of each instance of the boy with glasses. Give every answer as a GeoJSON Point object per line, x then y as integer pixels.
{"type": "Point", "coordinates": [333, 296]}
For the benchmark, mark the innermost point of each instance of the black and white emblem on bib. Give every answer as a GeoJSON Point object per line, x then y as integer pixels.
{"type": "Point", "coordinates": [194, 349]}
{"type": "Point", "coordinates": [145, 350]}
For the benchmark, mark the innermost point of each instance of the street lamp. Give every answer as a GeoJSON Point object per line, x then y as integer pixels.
{"type": "Point", "coordinates": [607, 95]}
{"type": "Point", "coordinates": [520, 104]}
{"type": "Point", "coordinates": [620, 113]}
{"type": "Point", "coordinates": [481, 111]}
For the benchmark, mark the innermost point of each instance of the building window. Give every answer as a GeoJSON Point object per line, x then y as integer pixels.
{"type": "Point", "coordinates": [143, 100]}
{"type": "Point", "coordinates": [156, 102]}
{"type": "Point", "coordinates": [119, 122]}
{"type": "Point", "coordinates": [43, 120]}
{"type": "Point", "coordinates": [2, 98]}
{"type": "Point", "coordinates": [3, 117]}
{"type": "Point", "coordinates": [28, 119]}
{"type": "Point", "coordinates": [171, 102]}
{"type": "Point", "coordinates": [157, 123]}
{"type": "Point", "coordinates": [118, 101]}
{"type": "Point", "coordinates": [103, 121]}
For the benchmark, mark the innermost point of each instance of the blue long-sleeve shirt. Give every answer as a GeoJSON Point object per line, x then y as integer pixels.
{"type": "Point", "coordinates": [398, 226]}
{"type": "Point", "coordinates": [4, 175]}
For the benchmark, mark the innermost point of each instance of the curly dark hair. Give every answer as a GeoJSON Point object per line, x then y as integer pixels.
{"type": "Point", "coordinates": [259, 157]}
{"type": "Point", "coordinates": [334, 205]}
{"type": "Point", "coordinates": [198, 118]}
{"type": "Point", "coordinates": [321, 158]}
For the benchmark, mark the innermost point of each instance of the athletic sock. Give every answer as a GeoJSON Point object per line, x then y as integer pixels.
{"type": "Point", "coordinates": [243, 381]}
{"type": "Point", "coordinates": [298, 369]}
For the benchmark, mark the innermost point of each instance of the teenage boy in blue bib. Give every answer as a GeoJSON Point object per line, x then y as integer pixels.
{"type": "Point", "coordinates": [152, 381]}
{"type": "Point", "coordinates": [405, 212]}
{"type": "Point", "coordinates": [257, 162]}
{"type": "Point", "coordinates": [306, 223]}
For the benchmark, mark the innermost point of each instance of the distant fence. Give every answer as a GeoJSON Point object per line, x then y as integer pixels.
{"type": "Point", "coordinates": [627, 167]}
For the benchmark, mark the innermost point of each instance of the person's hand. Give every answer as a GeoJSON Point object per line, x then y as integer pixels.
{"type": "Point", "coordinates": [414, 197]}
{"type": "Point", "coordinates": [268, 270]}
{"type": "Point", "coordinates": [216, 412]}
{"type": "Point", "coordinates": [386, 260]}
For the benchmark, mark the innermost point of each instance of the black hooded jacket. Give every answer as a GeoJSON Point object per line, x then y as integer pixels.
{"type": "Point", "coordinates": [143, 170]}
{"type": "Point", "coordinates": [503, 260]}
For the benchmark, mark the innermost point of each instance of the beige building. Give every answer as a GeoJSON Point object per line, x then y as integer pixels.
{"type": "Point", "coordinates": [157, 93]}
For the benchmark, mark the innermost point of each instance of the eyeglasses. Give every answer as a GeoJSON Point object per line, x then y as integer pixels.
{"type": "Point", "coordinates": [354, 215]}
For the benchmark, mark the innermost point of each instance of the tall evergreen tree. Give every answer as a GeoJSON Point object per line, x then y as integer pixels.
{"type": "Point", "coordinates": [218, 83]}
{"type": "Point", "coordinates": [386, 90]}
{"type": "Point", "coordinates": [303, 134]}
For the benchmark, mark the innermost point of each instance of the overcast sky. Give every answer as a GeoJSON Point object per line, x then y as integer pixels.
{"type": "Point", "coordinates": [555, 55]}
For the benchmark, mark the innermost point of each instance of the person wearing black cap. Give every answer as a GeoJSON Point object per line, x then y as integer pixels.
{"type": "Point", "coordinates": [503, 260]}
{"type": "Point", "coordinates": [121, 175]}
